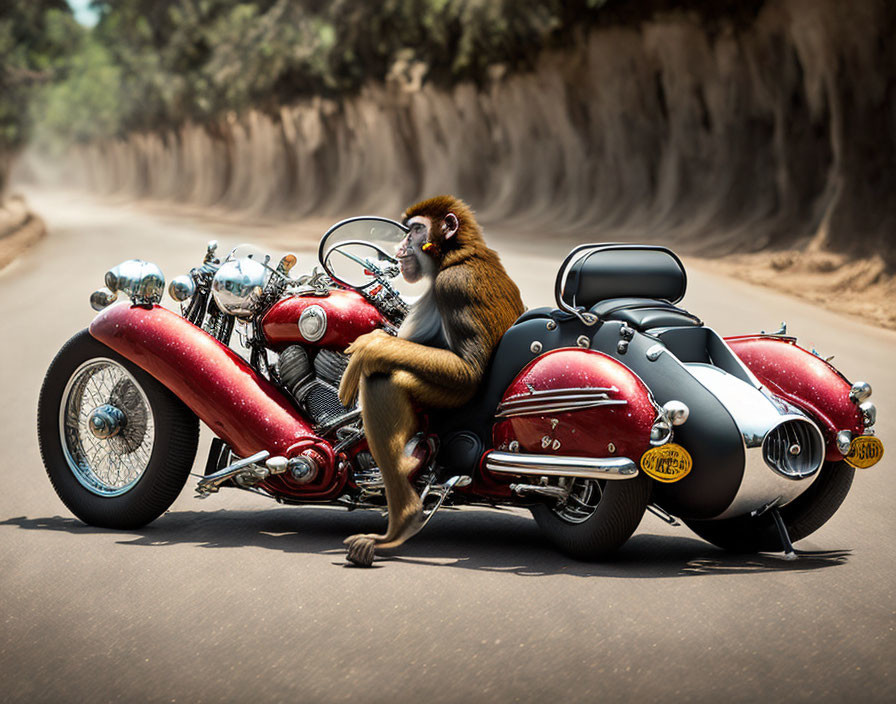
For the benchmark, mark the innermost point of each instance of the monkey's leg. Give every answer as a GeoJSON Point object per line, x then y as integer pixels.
{"type": "Point", "coordinates": [389, 423]}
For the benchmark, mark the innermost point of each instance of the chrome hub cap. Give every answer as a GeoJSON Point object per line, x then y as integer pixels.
{"type": "Point", "coordinates": [106, 427]}
{"type": "Point", "coordinates": [580, 505]}
{"type": "Point", "coordinates": [106, 421]}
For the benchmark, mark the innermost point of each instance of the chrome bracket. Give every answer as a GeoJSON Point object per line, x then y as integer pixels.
{"type": "Point", "coordinates": [443, 491]}
{"type": "Point", "coordinates": [211, 483]}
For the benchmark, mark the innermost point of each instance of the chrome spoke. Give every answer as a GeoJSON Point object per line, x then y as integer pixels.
{"type": "Point", "coordinates": [106, 464]}
{"type": "Point", "coordinates": [580, 505]}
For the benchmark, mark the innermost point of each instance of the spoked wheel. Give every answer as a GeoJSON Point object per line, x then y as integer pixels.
{"type": "Point", "coordinates": [803, 516]}
{"type": "Point", "coordinates": [596, 517]}
{"type": "Point", "coordinates": [117, 445]}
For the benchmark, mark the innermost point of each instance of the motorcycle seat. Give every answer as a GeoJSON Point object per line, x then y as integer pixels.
{"type": "Point", "coordinates": [644, 313]}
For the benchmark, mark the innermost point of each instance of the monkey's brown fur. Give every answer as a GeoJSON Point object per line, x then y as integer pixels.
{"type": "Point", "coordinates": [477, 302]}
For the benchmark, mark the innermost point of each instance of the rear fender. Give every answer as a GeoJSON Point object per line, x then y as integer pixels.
{"type": "Point", "coordinates": [239, 405]}
{"type": "Point", "coordinates": [805, 380]}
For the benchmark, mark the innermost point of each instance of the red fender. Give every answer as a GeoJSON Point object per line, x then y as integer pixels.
{"type": "Point", "coordinates": [615, 420]}
{"type": "Point", "coordinates": [803, 379]}
{"type": "Point", "coordinates": [240, 406]}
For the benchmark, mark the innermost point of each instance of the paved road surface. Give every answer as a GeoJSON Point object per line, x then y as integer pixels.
{"type": "Point", "coordinates": [237, 599]}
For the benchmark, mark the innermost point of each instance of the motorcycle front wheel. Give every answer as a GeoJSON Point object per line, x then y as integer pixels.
{"type": "Point", "coordinates": [596, 518]}
{"type": "Point", "coordinates": [803, 516]}
{"type": "Point", "coordinates": [117, 445]}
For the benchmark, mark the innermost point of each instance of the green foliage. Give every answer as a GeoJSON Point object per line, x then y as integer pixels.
{"type": "Point", "coordinates": [153, 64]}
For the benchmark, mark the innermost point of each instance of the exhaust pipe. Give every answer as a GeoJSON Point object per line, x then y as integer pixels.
{"type": "Point", "coordinates": [516, 464]}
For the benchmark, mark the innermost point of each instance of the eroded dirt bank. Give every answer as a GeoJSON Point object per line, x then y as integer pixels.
{"type": "Point", "coordinates": [774, 134]}
{"type": "Point", "coordinates": [19, 229]}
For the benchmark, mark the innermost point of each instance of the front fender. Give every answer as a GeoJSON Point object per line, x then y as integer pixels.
{"type": "Point", "coordinates": [805, 380]}
{"type": "Point", "coordinates": [240, 406]}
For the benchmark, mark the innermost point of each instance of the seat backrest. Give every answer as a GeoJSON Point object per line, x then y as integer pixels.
{"type": "Point", "coordinates": [595, 272]}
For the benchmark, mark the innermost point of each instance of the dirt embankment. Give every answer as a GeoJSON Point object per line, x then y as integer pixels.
{"type": "Point", "coordinates": [776, 134]}
{"type": "Point", "coordinates": [19, 229]}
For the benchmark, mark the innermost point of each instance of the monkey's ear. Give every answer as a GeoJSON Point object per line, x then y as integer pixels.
{"type": "Point", "coordinates": [451, 225]}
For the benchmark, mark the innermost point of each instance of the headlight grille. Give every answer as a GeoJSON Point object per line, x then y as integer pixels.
{"type": "Point", "coordinates": [794, 449]}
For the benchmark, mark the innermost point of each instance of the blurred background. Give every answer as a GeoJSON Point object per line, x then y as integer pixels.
{"type": "Point", "coordinates": [755, 137]}
{"type": "Point", "coordinates": [762, 132]}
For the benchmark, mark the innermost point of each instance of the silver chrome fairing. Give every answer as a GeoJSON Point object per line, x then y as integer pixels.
{"type": "Point", "coordinates": [783, 448]}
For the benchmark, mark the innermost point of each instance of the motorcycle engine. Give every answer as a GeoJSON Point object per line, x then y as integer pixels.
{"type": "Point", "coordinates": [314, 385]}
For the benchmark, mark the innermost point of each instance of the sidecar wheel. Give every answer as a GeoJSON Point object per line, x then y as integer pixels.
{"type": "Point", "coordinates": [598, 517]}
{"type": "Point", "coordinates": [802, 516]}
{"type": "Point", "coordinates": [117, 445]}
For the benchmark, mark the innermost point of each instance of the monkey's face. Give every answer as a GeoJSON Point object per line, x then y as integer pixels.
{"type": "Point", "coordinates": [415, 262]}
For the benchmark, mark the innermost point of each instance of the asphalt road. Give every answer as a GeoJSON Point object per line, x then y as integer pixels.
{"type": "Point", "coordinates": [237, 599]}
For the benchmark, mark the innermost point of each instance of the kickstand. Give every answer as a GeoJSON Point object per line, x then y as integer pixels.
{"type": "Point", "coordinates": [789, 552]}
{"type": "Point", "coordinates": [443, 491]}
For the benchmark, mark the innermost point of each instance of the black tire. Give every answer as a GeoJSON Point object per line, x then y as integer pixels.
{"type": "Point", "coordinates": [167, 434]}
{"type": "Point", "coordinates": [618, 512]}
{"type": "Point", "coordinates": [802, 516]}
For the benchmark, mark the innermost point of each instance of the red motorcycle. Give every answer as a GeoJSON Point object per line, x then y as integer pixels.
{"type": "Point", "coordinates": [614, 402]}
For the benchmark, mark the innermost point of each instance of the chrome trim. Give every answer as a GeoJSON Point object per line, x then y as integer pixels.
{"type": "Point", "coordinates": [653, 352]}
{"type": "Point", "coordinates": [844, 442]}
{"type": "Point", "coordinates": [869, 413]}
{"type": "Point", "coordinates": [756, 415]}
{"type": "Point", "coordinates": [860, 391]}
{"type": "Point", "coordinates": [238, 285]}
{"type": "Point", "coordinates": [182, 287]}
{"type": "Point", "coordinates": [794, 448]}
{"type": "Point", "coordinates": [554, 492]}
{"type": "Point", "coordinates": [106, 421]}
{"type": "Point", "coordinates": [557, 466]}
{"type": "Point", "coordinates": [101, 298]}
{"type": "Point", "coordinates": [535, 347]}
{"type": "Point", "coordinates": [676, 411]}
{"type": "Point", "coordinates": [211, 483]}
{"type": "Point", "coordinates": [557, 401]}
{"type": "Point", "coordinates": [143, 282]}
{"type": "Point", "coordinates": [313, 316]}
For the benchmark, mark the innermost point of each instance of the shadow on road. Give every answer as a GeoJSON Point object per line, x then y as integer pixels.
{"type": "Point", "coordinates": [490, 541]}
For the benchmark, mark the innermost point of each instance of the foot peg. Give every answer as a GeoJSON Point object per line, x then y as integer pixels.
{"type": "Point", "coordinates": [443, 491]}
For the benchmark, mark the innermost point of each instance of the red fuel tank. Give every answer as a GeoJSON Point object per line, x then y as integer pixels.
{"type": "Point", "coordinates": [345, 316]}
{"type": "Point", "coordinates": [575, 402]}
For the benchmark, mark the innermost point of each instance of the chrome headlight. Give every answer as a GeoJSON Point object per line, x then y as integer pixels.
{"type": "Point", "coordinates": [143, 282]}
{"type": "Point", "coordinates": [860, 391]}
{"type": "Point", "coordinates": [238, 286]}
{"type": "Point", "coordinates": [181, 288]}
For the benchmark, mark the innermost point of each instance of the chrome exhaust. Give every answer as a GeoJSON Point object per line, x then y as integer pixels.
{"type": "Point", "coordinates": [555, 466]}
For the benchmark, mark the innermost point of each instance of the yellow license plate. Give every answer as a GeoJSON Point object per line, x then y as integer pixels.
{"type": "Point", "coordinates": [865, 451]}
{"type": "Point", "coordinates": [667, 463]}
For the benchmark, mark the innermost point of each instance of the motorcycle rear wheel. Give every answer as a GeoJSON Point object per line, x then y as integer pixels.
{"type": "Point", "coordinates": [117, 445]}
{"type": "Point", "coordinates": [597, 519]}
{"type": "Point", "coordinates": [802, 516]}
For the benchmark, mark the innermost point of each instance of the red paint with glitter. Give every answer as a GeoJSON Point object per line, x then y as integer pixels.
{"type": "Point", "coordinates": [803, 379]}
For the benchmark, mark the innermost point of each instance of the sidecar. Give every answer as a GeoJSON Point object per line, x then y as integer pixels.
{"type": "Point", "coordinates": [752, 441]}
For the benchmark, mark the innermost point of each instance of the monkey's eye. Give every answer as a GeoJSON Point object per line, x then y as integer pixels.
{"type": "Point", "coordinates": [418, 227]}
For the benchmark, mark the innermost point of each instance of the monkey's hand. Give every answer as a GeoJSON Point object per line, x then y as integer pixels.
{"type": "Point", "coordinates": [367, 341]}
{"type": "Point", "coordinates": [363, 352]}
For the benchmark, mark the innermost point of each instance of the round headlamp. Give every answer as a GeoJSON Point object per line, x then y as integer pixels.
{"type": "Point", "coordinates": [143, 282]}
{"type": "Point", "coordinates": [238, 286]}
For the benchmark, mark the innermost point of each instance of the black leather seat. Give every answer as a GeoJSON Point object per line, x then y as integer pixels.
{"type": "Point", "coordinates": [636, 284]}
{"type": "Point", "coordinates": [644, 313]}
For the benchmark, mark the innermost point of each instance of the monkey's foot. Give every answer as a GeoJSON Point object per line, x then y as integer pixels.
{"type": "Point", "coordinates": [360, 550]}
